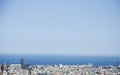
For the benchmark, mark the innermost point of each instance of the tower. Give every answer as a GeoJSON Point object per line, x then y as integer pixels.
{"type": "Point", "coordinates": [118, 64]}
{"type": "Point", "coordinates": [22, 62]}
{"type": "Point", "coordinates": [3, 68]}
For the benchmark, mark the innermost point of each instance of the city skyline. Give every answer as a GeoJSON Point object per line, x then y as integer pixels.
{"type": "Point", "coordinates": [60, 27]}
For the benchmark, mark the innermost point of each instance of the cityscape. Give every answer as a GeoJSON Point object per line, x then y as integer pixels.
{"type": "Point", "coordinates": [58, 69]}
{"type": "Point", "coordinates": [59, 37]}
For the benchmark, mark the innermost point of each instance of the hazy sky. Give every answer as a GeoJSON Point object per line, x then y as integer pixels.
{"type": "Point", "coordinates": [69, 27]}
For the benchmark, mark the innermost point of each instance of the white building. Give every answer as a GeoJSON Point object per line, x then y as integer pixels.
{"type": "Point", "coordinates": [15, 68]}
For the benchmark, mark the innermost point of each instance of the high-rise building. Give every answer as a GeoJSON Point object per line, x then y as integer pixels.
{"type": "Point", "coordinates": [22, 62]}
{"type": "Point", "coordinates": [118, 64]}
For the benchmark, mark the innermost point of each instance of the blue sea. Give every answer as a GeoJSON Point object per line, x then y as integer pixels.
{"type": "Point", "coordinates": [54, 59]}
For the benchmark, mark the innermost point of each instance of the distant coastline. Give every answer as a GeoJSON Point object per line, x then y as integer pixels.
{"type": "Point", "coordinates": [60, 59]}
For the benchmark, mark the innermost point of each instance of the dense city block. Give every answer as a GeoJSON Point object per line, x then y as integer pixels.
{"type": "Point", "coordinates": [89, 69]}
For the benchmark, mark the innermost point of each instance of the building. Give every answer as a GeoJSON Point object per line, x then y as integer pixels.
{"type": "Point", "coordinates": [22, 62]}
{"type": "Point", "coordinates": [15, 68]}
{"type": "Point", "coordinates": [3, 69]}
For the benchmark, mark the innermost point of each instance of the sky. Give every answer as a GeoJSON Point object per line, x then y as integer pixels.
{"type": "Point", "coordinates": [60, 27]}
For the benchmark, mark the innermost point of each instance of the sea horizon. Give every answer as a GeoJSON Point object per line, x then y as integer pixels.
{"type": "Point", "coordinates": [59, 59]}
{"type": "Point", "coordinates": [91, 55]}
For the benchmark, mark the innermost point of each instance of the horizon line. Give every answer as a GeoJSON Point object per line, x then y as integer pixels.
{"type": "Point", "coordinates": [63, 55]}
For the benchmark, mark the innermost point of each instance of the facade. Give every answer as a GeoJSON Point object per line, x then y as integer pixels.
{"type": "Point", "coordinates": [16, 69]}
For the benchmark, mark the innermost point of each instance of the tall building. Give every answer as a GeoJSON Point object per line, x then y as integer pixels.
{"type": "Point", "coordinates": [22, 62]}
{"type": "Point", "coordinates": [118, 64]}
